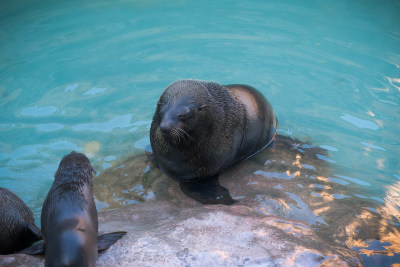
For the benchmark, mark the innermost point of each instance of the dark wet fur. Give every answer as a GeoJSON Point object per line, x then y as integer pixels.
{"type": "Point", "coordinates": [72, 240]}
{"type": "Point", "coordinates": [221, 134]}
{"type": "Point", "coordinates": [223, 106]}
{"type": "Point", "coordinates": [17, 226]}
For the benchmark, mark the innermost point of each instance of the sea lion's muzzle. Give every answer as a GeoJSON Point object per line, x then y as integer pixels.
{"type": "Point", "coordinates": [166, 127]}
{"type": "Point", "coordinates": [168, 123]}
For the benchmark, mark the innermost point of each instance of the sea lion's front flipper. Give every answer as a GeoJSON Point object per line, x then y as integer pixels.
{"type": "Point", "coordinates": [34, 230]}
{"type": "Point", "coordinates": [35, 249]}
{"type": "Point", "coordinates": [106, 240]}
{"type": "Point", "coordinates": [207, 191]}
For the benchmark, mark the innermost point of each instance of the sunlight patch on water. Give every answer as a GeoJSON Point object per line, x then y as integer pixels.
{"type": "Point", "coordinates": [49, 127]}
{"type": "Point", "coordinates": [322, 157]}
{"type": "Point", "coordinates": [340, 196]}
{"type": "Point", "coordinates": [110, 158]}
{"type": "Point", "coordinates": [277, 175]}
{"type": "Point", "coordinates": [354, 180]}
{"type": "Point", "coordinates": [305, 210]}
{"type": "Point", "coordinates": [143, 143]}
{"type": "Point", "coordinates": [374, 198]}
{"type": "Point", "coordinates": [308, 166]}
{"type": "Point", "coordinates": [372, 146]}
{"type": "Point", "coordinates": [330, 148]}
{"type": "Point", "coordinates": [338, 181]}
{"type": "Point", "coordinates": [71, 87]}
{"type": "Point", "coordinates": [141, 123]}
{"type": "Point", "coordinates": [123, 121]}
{"type": "Point", "coordinates": [395, 82]}
{"type": "Point", "coordinates": [95, 91]}
{"type": "Point", "coordinates": [360, 123]}
{"type": "Point", "coordinates": [37, 111]}
{"type": "Point", "coordinates": [106, 165]}
{"type": "Point", "coordinates": [6, 125]}
{"type": "Point", "coordinates": [319, 186]}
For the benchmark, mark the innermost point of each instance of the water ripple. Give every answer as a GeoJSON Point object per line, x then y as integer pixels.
{"type": "Point", "coordinates": [123, 121]}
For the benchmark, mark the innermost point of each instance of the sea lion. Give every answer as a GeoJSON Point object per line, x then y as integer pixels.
{"type": "Point", "coordinates": [200, 129]}
{"type": "Point", "coordinates": [69, 217]}
{"type": "Point", "coordinates": [17, 225]}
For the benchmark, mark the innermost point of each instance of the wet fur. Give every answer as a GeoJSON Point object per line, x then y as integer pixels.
{"type": "Point", "coordinates": [226, 124]}
{"type": "Point", "coordinates": [69, 215]}
{"type": "Point", "coordinates": [15, 222]}
{"type": "Point", "coordinates": [227, 115]}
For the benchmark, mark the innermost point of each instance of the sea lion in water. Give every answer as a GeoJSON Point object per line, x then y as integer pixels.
{"type": "Point", "coordinates": [69, 217]}
{"type": "Point", "coordinates": [199, 129]}
{"type": "Point", "coordinates": [17, 226]}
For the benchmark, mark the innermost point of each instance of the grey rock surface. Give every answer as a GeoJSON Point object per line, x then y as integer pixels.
{"type": "Point", "coordinates": [162, 234]}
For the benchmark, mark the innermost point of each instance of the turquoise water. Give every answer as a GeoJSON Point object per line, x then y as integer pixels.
{"type": "Point", "coordinates": [86, 76]}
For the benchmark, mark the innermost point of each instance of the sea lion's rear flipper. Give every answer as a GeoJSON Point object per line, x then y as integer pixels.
{"type": "Point", "coordinates": [35, 249]}
{"type": "Point", "coordinates": [207, 191]}
{"type": "Point", "coordinates": [34, 230]}
{"type": "Point", "coordinates": [106, 240]}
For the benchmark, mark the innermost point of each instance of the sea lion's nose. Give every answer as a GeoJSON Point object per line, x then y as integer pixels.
{"type": "Point", "coordinates": [165, 127]}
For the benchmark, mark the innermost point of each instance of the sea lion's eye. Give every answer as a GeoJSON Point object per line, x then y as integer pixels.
{"type": "Point", "coordinates": [201, 107]}
{"type": "Point", "coordinates": [183, 117]}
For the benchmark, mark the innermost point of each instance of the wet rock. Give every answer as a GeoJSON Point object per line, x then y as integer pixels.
{"type": "Point", "coordinates": [21, 260]}
{"type": "Point", "coordinates": [162, 234]}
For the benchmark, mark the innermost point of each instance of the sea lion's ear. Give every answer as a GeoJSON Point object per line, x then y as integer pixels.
{"type": "Point", "coordinates": [202, 106]}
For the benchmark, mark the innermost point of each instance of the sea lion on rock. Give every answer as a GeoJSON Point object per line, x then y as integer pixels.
{"type": "Point", "coordinates": [200, 128]}
{"type": "Point", "coordinates": [17, 225]}
{"type": "Point", "coordinates": [69, 217]}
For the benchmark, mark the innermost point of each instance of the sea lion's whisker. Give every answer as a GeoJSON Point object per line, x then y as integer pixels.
{"type": "Point", "coordinates": [184, 132]}
{"type": "Point", "coordinates": [176, 135]}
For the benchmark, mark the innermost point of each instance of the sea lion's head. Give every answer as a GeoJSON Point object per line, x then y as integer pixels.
{"type": "Point", "coordinates": [75, 166]}
{"type": "Point", "coordinates": [179, 110]}
{"type": "Point", "coordinates": [179, 118]}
